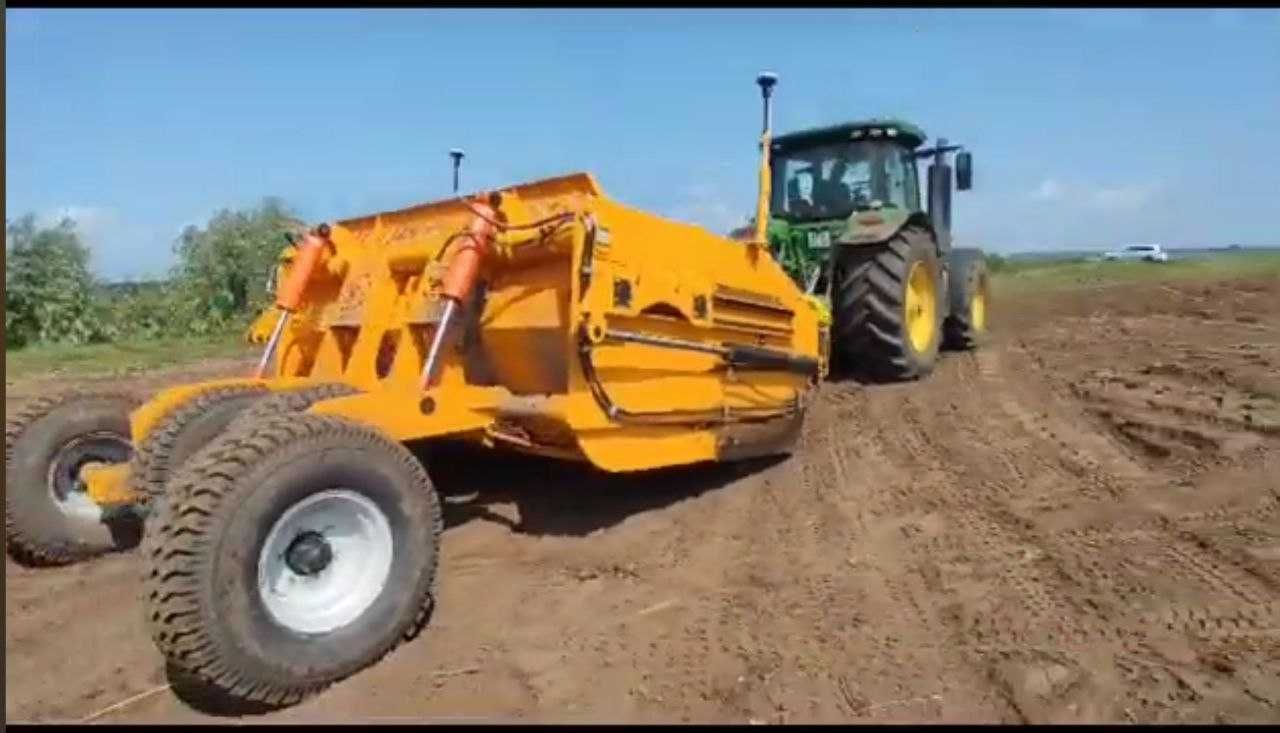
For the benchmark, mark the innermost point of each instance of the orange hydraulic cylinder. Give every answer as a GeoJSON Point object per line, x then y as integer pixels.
{"type": "Point", "coordinates": [458, 280]}
{"type": "Point", "coordinates": [475, 246]}
{"type": "Point", "coordinates": [289, 296]}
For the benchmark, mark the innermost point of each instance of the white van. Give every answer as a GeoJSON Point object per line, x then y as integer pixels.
{"type": "Point", "coordinates": [1144, 252]}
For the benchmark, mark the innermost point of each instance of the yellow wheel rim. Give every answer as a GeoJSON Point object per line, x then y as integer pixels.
{"type": "Point", "coordinates": [978, 308]}
{"type": "Point", "coordinates": [921, 307]}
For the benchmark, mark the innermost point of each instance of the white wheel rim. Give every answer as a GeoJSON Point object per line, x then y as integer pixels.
{"type": "Point", "coordinates": [95, 448]}
{"type": "Point", "coordinates": [359, 537]}
{"type": "Point", "coordinates": [78, 505]}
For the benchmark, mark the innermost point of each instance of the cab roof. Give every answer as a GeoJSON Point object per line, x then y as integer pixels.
{"type": "Point", "coordinates": [904, 132]}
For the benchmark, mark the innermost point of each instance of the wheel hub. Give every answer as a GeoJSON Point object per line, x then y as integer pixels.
{"type": "Point", "coordinates": [920, 307]}
{"type": "Point", "coordinates": [978, 310]}
{"type": "Point", "coordinates": [325, 561]}
{"type": "Point", "coordinates": [309, 554]}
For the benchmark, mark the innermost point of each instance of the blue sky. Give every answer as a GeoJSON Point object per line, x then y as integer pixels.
{"type": "Point", "coordinates": [1087, 127]}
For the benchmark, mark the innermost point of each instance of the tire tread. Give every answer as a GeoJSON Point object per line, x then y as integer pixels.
{"type": "Point", "coordinates": [22, 546]}
{"type": "Point", "coordinates": [178, 544]}
{"type": "Point", "coordinates": [869, 325]}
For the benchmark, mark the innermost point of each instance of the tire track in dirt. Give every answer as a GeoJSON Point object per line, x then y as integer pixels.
{"type": "Point", "coordinates": [81, 626]}
{"type": "Point", "coordinates": [979, 546]}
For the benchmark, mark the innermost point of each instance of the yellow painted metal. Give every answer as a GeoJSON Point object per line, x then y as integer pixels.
{"type": "Point", "coordinates": [766, 189]}
{"type": "Point", "coordinates": [513, 372]}
{"type": "Point", "coordinates": [144, 419]}
{"type": "Point", "coordinates": [469, 409]}
{"type": "Point", "coordinates": [978, 308]}
{"type": "Point", "coordinates": [921, 307]}
{"type": "Point", "coordinates": [260, 330]}
{"type": "Point", "coordinates": [108, 483]}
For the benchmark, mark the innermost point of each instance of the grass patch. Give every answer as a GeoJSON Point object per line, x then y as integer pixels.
{"type": "Point", "coordinates": [1029, 276]}
{"type": "Point", "coordinates": [121, 357]}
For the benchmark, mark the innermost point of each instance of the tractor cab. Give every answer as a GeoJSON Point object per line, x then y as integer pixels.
{"type": "Point", "coordinates": [831, 173]}
{"type": "Point", "coordinates": [855, 183]}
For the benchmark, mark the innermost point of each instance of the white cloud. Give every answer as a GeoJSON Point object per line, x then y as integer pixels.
{"type": "Point", "coordinates": [1123, 197]}
{"type": "Point", "coordinates": [1048, 190]}
{"type": "Point", "coordinates": [118, 250]}
{"type": "Point", "coordinates": [707, 206]}
{"type": "Point", "coordinates": [95, 224]}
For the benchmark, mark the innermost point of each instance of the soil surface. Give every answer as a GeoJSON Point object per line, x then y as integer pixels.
{"type": "Point", "coordinates": [1078, 522]}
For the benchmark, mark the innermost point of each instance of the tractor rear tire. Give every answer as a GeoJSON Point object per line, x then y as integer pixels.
{"type": "Point", "coordinates": [183, 432]}
{"type": "Point", "coordinates": [966, 323]}
{"type": "Point", "coordinates": [49, 520]}
{"type": "Point", "coordinates": [888, 314]}
{"type": "Point", "coordinates": [238, 560]}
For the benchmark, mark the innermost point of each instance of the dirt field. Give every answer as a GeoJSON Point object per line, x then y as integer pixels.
{"type": "Point", "coordinates": [1080, 522]}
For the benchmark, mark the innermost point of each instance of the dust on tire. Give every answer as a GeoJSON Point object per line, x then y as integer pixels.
{"type": "Point", "coordinates": [226, 500]}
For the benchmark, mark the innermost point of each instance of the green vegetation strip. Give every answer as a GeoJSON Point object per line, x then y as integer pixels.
{"type": "Point", "coordinates": [1041, 276]}
{"type": "Point", "coordinates": [120, 357]}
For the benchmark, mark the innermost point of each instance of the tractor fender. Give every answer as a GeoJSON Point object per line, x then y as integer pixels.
{"type": "Point", "coordinates": [861, 235]}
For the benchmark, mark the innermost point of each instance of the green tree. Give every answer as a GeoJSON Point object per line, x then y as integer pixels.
{"type": "Point", "coordinates": [48, 286]}
{"type": "Point", "coordinates": [142, 311]}
{"type": "Point", "coordinates": [222, 270]}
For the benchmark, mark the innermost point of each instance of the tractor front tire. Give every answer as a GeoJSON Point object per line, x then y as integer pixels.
{"type": "Point", "coordinates": [292, 554]}
{"type": "Point", "coordinates": [888, 314]}
{"type": "Point", "coordinates": [970, 296]}
{"type": "Point", "coordinates": [49, 518]}
{"type": "Point", "coordinates": [184, 431]}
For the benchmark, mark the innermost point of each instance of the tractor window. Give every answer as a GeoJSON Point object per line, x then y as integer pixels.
{"type": "Point", "coordinates": [799, 175]}
{"type": "Point", "coordinates": [896, 184]}
{"type": "Point", "coordinates": [911, 180]}
{"type": "Point", "coordinates": [833, 181]}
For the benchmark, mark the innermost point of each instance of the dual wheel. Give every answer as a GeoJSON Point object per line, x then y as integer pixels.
{"type": "Point", "coordinates": [894, 310]}
{"type": "Point", "coordinates": [50, 518]}
{"type": "Point", "coordinates": [282, 552]}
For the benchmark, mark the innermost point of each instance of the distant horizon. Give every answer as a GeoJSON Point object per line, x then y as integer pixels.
{"type": "Point", "coordinates": [1044, 254]}
{"type": "Point", "coordinates": [1202, 249]}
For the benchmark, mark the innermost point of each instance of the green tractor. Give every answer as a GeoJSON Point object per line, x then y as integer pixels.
{"type": "Point", "coordinates": [846, 221]}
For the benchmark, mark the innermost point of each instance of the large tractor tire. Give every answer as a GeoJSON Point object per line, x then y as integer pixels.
{"type": "Point", "coordinates": [888, 313]}
{"type": "Point", "coordinates": [272, 573]}
{"type": "Point", "coordinates": [49, 517]}
{"type": "Point", "coordinates": [966, 323]}
{"type": "Point", "coordinates": [185, 430]}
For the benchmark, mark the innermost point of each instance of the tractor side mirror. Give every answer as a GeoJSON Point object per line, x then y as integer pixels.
{"type": "Point", "coordinates": [964, 171]}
